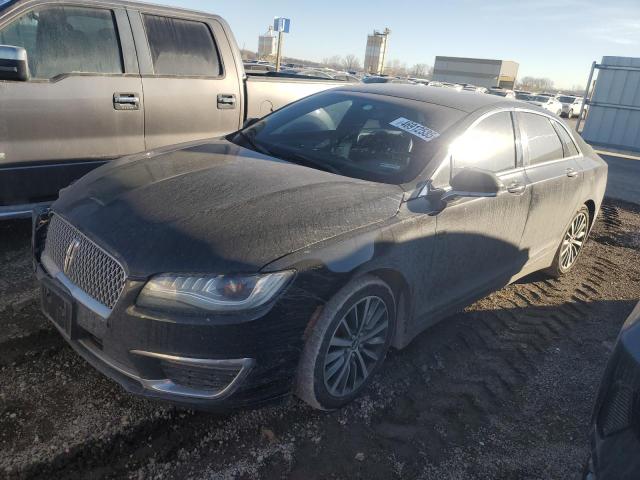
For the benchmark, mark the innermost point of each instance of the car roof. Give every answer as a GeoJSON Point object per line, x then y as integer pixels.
{"type": "Point", "coordinates": [460, 100]}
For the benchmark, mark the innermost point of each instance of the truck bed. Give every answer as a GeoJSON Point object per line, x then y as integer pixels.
{"type": "Point", "coordinates": [265, 94]}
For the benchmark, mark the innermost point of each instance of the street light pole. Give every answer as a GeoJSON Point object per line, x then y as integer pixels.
{"type": "Point", "coordinates": [279, 51]}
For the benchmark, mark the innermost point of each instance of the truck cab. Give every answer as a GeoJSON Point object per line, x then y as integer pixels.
{"type": "Point", "coordinates": [86, 81]}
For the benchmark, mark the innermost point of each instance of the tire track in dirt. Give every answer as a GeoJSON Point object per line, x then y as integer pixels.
{"type": "Point", "coordinates": [430, 398]}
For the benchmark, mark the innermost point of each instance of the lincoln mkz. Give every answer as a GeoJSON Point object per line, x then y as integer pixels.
{"type": "Point", "coordinates": [291, 255]}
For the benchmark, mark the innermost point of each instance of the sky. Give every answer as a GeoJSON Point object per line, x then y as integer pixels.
{"type": "Point", "coordinates": [556, 39]}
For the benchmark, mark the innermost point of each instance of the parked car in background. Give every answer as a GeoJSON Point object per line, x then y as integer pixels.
{"type": "Point", "coordinates": [548, 103]}
{"type": "Point", "coordinates": [381, 79]}
{"type": "Point", "coordinates": [501, 92]}
{"type": "Point", "coordinates": [523, 96]}
{"type": "Point", "coordinates": [522, 92]}
{"type": "Point", "coordinates": [258, 68]}
{"type": "Point", "coordinates": [310, 242]}
{"type": "Point", "coordinates": [346, 77]}
{"type": "Point", "coordinates": [474, 88]}
{"type": "Point", "coordinates": [453, 86]}
{"type": "Point", "coordinates": [309, 72]}
{"type": "Point", "coordinates": [86, 82]}
{"type": "Point", "coordinates": [571, 105]}
{"type": "Point", "coordinates": [615, 426]}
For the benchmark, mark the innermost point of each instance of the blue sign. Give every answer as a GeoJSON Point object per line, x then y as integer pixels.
{"type": "Point", "coordinates": [281, 24]}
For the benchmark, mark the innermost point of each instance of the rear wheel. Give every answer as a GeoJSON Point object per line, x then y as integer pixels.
{"type": "Point", "coordinates": [559, 112]}
{"type": "Point", "coordinates": [347, 345]}
{"type": "Point", "coordinates": [570, 114]}
{"type": "Point", "coordinates": [571, 245]}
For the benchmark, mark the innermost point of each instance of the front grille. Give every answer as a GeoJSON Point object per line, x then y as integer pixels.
{"type": "Point", "coordinates": [91, 268]}
{"type": "Point", "coordinates": [199, 377]}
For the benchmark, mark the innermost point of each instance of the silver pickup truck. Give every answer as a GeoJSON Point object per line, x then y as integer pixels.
{"type": "Point", "coordinates": [86, 81]}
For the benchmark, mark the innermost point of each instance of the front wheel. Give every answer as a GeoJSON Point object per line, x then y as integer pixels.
{"type": "Point", "coordinates": [347, 344]}
{"type": "Point", "coordinates": [572, 243]}
{"type": "Point", "coordinates": [570, 114]}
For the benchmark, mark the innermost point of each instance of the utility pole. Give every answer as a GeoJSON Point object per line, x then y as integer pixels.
{"type": "Point", "coordinates": [384, 51]}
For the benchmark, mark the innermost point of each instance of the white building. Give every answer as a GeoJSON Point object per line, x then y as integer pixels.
{"type": "Point", "coordinates": [477, 71]}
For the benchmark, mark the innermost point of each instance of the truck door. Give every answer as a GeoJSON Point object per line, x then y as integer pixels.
{"type": "Point", "coordinates": [192, 88]}
{"type": "Point", "coordinates": [81, 106]}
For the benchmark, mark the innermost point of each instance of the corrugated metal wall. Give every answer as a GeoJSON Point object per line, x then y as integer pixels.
{"type": "Point", "coordinates": [614, 112]}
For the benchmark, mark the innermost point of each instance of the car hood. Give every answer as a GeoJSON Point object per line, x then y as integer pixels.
{"type": "Point", "coordinates": [216, 207]}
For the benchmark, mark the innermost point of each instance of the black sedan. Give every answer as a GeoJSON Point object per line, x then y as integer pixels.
{"type": "Point", "coordinates": [615, 433]}
{"type": "Point", "coordinates": [292, 254]}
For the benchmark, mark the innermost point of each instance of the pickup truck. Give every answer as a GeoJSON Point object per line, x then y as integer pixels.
{"type": "Point", "coordinates": [86, 81]}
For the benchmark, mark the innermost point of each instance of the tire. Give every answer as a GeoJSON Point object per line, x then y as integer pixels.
{"type": "Point", "coordinates": [559, 112]}
{"type": "Point", "coordinates": [323, 361]}
{"type": "Point", "coordinates": [570, 114]}
{"type": "Point", "coordinates": [564, 261]}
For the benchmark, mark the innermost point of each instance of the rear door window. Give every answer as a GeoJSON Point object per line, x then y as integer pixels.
{"type": "Point", "coordinates": [64, 39]}
{"type": "Point", "coordinates": [489, 145]}
{"type": "Point", "coordinates": [181, 47]}
{"type": "Point", "coordinates": [540, 138]}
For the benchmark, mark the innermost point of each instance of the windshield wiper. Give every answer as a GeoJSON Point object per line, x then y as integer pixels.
{"type": "Point", "coordinates": [296, 157]}
{"type": "Point", "coordinates": [247, 138]}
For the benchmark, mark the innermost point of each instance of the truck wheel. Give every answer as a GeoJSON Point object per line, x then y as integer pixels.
{"type": "Point", "coordinates": [347, 344]}
{"type": "Point", "coordinates": [571, 245]}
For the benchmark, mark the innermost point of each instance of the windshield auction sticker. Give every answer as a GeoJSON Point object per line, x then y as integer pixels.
{"type": "Point", "coordinates": [414, 128]}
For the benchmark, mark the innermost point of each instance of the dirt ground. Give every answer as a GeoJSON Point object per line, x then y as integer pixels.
{"type": "Point", "coordinates": [502, 390]}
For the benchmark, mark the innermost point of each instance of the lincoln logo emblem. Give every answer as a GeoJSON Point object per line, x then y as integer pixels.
{"type": "Point", "coordinates": [70, 254]}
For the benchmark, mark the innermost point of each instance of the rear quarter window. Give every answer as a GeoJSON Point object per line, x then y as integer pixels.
{"type": "Point", "coordinates": [540, 138]}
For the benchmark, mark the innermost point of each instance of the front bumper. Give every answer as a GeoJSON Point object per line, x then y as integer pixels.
{"type": "Point", "coordinates": [211, 363]}
{"type": "Point", "coordinates": [615, 435]}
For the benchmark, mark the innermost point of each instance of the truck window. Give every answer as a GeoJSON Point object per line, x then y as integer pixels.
{"type": "Point", "coordinates": [181, 47]}
{"type": "Point", "coordinates": [61, 40]}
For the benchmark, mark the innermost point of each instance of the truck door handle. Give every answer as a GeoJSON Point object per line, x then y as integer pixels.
{"type": "Point", "coordinates": [571, 172]}
{"type": "Point", "coordinates": [126, 101]}
{"type": "Point", "coordinates": [226, 100]}
{"type": "Point", "coordinates": [516, 187]}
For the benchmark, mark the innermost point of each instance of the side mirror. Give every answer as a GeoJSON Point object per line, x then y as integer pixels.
{"type": "Point", "coordinates": [474, 182]}
{"type": "Point", "coordinates": [250, 121]}
{"type": "Point", "coordinates": [13, 63]}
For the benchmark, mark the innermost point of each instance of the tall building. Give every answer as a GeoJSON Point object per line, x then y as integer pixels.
{"type": "Point", "coordinates": [477, 71]}
{"type": "Point", "coordinates": [267, 44]}
{"type": "Point", "coordinates": [376, 51]}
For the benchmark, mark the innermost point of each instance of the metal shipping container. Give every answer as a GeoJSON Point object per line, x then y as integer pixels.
{"type": "Point", "coordinates": [613, 119]}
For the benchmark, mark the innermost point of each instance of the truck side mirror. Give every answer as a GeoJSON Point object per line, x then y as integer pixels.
{"type": "Point", "coordinates": [13, 63]}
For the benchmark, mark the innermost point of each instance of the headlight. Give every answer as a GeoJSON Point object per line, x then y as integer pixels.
{"type": "Point", "coordinates": [213, 293]}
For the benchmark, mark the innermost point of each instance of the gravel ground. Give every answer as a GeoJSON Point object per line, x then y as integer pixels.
{"type": "Point", "coordinates": [501, 390]}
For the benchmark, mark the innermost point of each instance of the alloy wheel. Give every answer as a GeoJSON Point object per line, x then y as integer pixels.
{"type": "Point", "coordinates": [357, 346]}
{"type": "Point", "coordinates": [573, 240]}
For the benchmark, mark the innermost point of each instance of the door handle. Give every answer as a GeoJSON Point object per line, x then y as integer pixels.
{"type": "Point", "coordinates": [126, 101]}
{"type": "Point", "coordinates": [226, 100]}
{"type": "Point", "coordinates": [516, 187]}
{"type": "Point", "coordinates": [571, 172]}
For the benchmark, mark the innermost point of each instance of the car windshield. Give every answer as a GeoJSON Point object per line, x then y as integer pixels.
{"type": "Point", "coordinates": [540, 98]}
{"type": "Point", "coordinates": [366, 136]}
{"type": "Point", "coordinates": [567, 99]}
{"type": "Point", "coordinates": [523, 96]}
